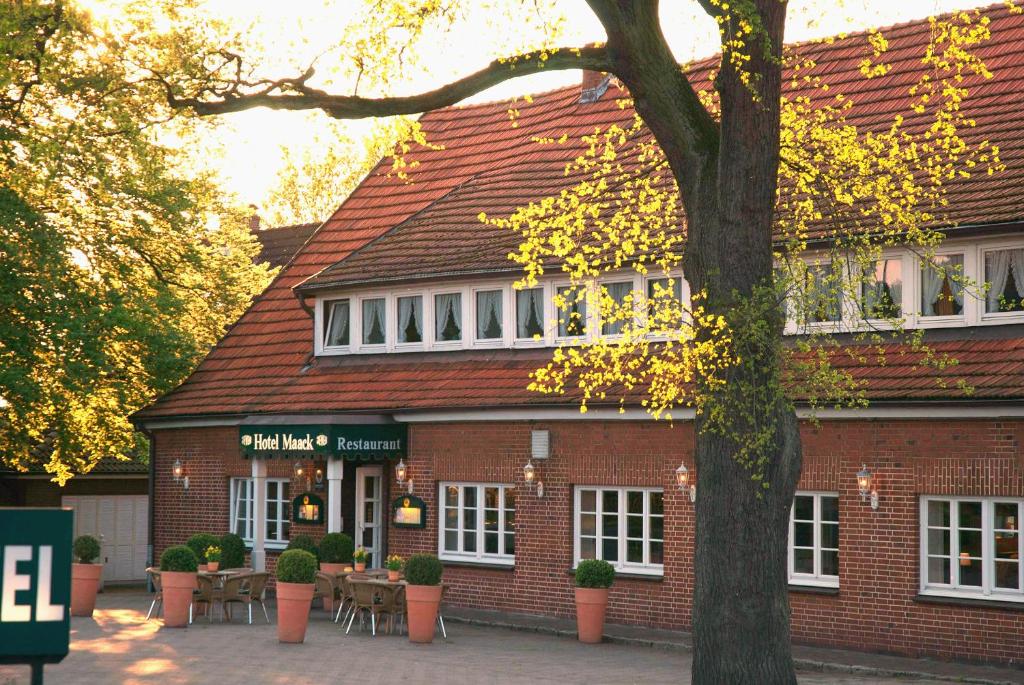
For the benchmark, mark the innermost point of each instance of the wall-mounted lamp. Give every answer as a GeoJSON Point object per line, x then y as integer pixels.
{"type": "Point", "coordinates": [402, 475]}
{"type": "Point", "coordinates": [540, 449]}
{"type": "Point", "coordinates": [683, 481]}
{"type": "Point", "coordinates": [179, 474]}
{"type": "Point", "coordinates": [297, 469]}
{"type": "Point", "coordinates": [865, 483]}
{"type": "Point", "coordinates": [530, 477]}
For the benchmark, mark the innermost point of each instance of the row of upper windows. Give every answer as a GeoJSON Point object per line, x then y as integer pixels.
{"type": "Point", "coordinates": [497, 315]}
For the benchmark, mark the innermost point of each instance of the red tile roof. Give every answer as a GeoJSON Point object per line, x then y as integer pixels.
{"type": "Point", "coordinates": [401, 230]}
{"type": "Point", "coordinates": [279, 244]}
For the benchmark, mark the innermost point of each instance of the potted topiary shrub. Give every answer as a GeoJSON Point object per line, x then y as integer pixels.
{"type": "Point", "coordinates": [85, 575]}
{"type": "Point", "coordinates": [394, 566]}
{"type": "Point", "coordinates": [422, 595]}
{"type": "Point", "coordinates": [178, 567]}
{"type": "Point", "coordinates": [199, 543]}
{"type": "Point", "coordinates": [593, 578]}
{"type": "Point", "coordinates": [232, 551]}
{"type": "Point", "coordinates": [335, 552]}
{"type": "Point", "coordinates": [296, 574]}
{"type": "Point", "coordinates": [359, 559]}
{"type": "Point", "coordinates": [304, 542]}
{"type": "Point", "coordinates": [213, 558]}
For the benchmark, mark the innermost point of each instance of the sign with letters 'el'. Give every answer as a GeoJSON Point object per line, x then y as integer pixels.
{"type": "Point", "coordinates": [35, 584]}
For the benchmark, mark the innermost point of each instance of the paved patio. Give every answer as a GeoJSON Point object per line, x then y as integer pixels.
{"type": "Point", "coordinates": [119, 646]}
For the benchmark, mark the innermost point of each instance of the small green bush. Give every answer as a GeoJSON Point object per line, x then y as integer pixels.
{"type": "Point", "coordinates": [336, 548]}
{"type": "Point", "coordinates": [303, 542]}
{"type": "Point", "coordinates": [86, 549]}
{"type": "Point", "coordinates": [296, 566]}
{"type": "Point", "coordinates": [179, 558]}
{"type": "Point", "coordinates": [594, 573]}
{"type": "Point", "coordinates": [232, 551]}
{"type": "Point", "coordinates": [200, 542]}
{"type": "Point", "coordinates": [423, 569]}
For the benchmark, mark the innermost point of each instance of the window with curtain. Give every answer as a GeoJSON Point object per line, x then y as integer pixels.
{"type": "Point", "coordinates": [448, 317]}
{"type": "Point", "coordinates": [614, 320]}
{"type": "Point", "coordinates": [665, 303]}
{"type": "Point", "coordinates": [488, 314]}
{"type": "Point", "coordinates": [942, 289]}
{"type": "Point", "coordinates": [1004, 277]}
{"type": "Point", "coordinates": [530, 313]}
{"type": "Point", "coordinates": [374, 321]}
{"type": "Point", "coordinates": [410, 319]}
{"type": "Point", "coordinates": [824, 295]}
{"type": "Point", "coordinates": [336, 323]}
{"type": "Point", "coordinates": [572, 319]}
{"type": "Point", "coordinates": [882, 289]}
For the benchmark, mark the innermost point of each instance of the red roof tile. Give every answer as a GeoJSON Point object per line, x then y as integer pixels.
{"type": "Point", "coordinates": [279, 244]}
{"type": "Point", "coordinates": [402, 230]}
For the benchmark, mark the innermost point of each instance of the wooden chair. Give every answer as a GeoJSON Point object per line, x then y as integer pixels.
{"type": "Point", "coordinates": [247, 589]}
{"type": "Point", "coordinates": [327, 589]}
{"type": "Point", "coordinates": [393, 605]}
{"type": "Point", "coordinates": [366, 599]}
{"type": "Point", "coordinates": [345, 587]}
{"type": "Point", "coordinates": [207, 594]}
{"type": "Point", "coordinates": [158, 594]}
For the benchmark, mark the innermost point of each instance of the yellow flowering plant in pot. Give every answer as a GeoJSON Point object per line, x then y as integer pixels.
{"type": "Point", "coordinates": [394, 565]}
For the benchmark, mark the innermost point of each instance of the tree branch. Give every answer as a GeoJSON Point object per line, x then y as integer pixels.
{"type": "Point", "coordinates": [293, 94]}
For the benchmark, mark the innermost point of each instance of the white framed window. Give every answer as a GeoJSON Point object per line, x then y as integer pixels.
{"type": "Point", "coordinates": [623, 526]}
{"type": "Point", "coordinates": [823, 299]}
{"type": "Point", "coordinates": [572, 319]}
{"type": "Point", "coordinates": [374, 320]}
{"type": "Point", "coordinates": [665, 302]}
{"type": "Point", "coordinates": [621, 295]}
{"type": "Point", "coordinates": [971, 547]}
{"type": "Point", "coordinates": [477, 523]}
{"type": "Point", "coordinates": [243, 505]}
{"type": "Point", "coordinates": [489, 315]}
{"type": "Point", "coordinates": [1004, 274]}
{"type": "Point", "coordinates": [942, 287]}
{"type": "Point", "coordinates": [530, 322]}
{"type": "Point", "coordinates": [814, 539]}
{"type": "Point", "coordinates": [448, 319]}
{"type": "Point", "coordinates": [882, 289]}
{"type": "Point", "coordinates": [337, 323]}
{"type": "Point", "coordinates": [409, 320]}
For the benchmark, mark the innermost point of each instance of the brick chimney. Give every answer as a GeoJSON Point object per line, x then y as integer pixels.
{"type": "Point", "coordinates": [594, 84]}
{"type": "Point", "coordinates": [254, 220]}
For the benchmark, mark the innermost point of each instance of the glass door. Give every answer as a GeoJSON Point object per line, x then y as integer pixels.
{"type": "Point", "coordinates": [369, 508]}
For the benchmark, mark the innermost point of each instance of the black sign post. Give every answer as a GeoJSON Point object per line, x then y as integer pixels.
{"type": "Point", "coordinates": [35, 587]}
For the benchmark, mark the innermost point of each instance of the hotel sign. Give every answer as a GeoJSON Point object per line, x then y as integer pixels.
{"type": "Point", "coordinates": [35, 585]}
{"type": "Point", "coordinates": [338, 441]}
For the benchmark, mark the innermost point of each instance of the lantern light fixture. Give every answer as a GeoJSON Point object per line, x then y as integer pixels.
{"type": "Point", "coordinates": [402, 475]}
{"type": "Point", "coordinates": [297, 469]}
{"type": "Point", "coordinates": [530, 475]}
{"type": "Point", "coordinates": [683, 481]}
{"type": "Point", "coordinates": [178, 471]}
{"type": "Point", "coordinates": [865, 483]}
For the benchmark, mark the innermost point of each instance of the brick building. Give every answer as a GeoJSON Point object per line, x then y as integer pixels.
{"type": "Point", "coordinates": [395, 337]}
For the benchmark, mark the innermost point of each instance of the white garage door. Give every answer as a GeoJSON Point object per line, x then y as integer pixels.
{"type": "Point", "coordinates": [121, 524]}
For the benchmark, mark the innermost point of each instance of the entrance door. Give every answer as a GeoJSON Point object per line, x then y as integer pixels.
{"type": "Point", "coordinates": [369, 482]}
{"type": "Point", "coordinates": [121, 524]}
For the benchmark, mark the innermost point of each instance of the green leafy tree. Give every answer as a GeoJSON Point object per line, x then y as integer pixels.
{"type": "Point", "coordinates": [114, 275]}
{"type": "Point", "coordinates": [757, 169]}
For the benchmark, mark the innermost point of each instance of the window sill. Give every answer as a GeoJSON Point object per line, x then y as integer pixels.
{"type": "Point", "coordinates": [971, 602]}
{"type": "Point", "coordinates": [624, 575]}
{"type": "Point", "coordinates": [489, 566]}
{"type": "Point", "coordinates": [814, 589]}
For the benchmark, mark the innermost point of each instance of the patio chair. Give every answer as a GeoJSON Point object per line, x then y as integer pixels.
{"type": "Point", "coordinates": [327, 589]}
{"type": "Point", "coordinates": [208, 594]}
{"type": "Point", "coordinates": [345, 587]}
{"type": "Point", "coordinates": [158, 594]}
{"type": "Point", "coordinates": [366, 599]}
{"type": "Point", "coordinates": [245, 589]}
{"type": "Point", "coordinates": [440, 618]}
{"type": "Point", "coordinates": [393, 605]}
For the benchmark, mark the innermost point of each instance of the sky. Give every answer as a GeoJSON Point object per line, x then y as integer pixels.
{"type": "Point", "coordinates": [246, 148]}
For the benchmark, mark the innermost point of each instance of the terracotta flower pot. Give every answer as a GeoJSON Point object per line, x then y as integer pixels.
{"type": "Point", "coordinates": [393, 575]}
{"type": "Point", "coordinates": [212, 565]}
{"type": "Point", "coordinates": [85, 582]}
{"type": "Point", "coordinates": [591, 604]}
{"type": "Point", "coordinates": [422, 602]}
{"type": "Point", "coordinates": [177, 589]}
{"type": "Point", "coordinates": [333, 569]}
{"type": "Point", "coordinates": [293, 602]}
{"type": "Point", "coordinates": [360, 566]}
{"type": "Point", "coordinates": [204, 567]}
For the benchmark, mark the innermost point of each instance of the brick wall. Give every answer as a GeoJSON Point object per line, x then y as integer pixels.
{"type": "Point", "coordinates": [875, 608]}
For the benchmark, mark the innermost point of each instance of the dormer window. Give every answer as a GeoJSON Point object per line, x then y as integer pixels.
{"type": "Point", "coordinates": [1004, 273]}
{"type": "Point", "coordinates": [374, 321]}
{"type": "Point", "coordinates": [529, 313]}
{"type": "Point", "coordinates": [942, 288]}
{"type": "Point", "coordinates": [882, 289]}
{"type": "Point", "coordinates": [448, 317]}
{"type": "Point", "coordinates": [618, 292]}
{"type": "Point", "coordinates": [336, 323]}
{"type": "Point", "coordinates": [410, 319]}
{"type": "Point", "coordinates": [488, 314]}
{"type": "Point", "coordinates": [572, 319]}
{"type": "Point", "coordinates": [665, 303]}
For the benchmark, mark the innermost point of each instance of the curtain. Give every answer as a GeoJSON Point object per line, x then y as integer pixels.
{"type": "Point", "coordinates": [997, 271]}
{"type": "Point", "coordinates": [572, 321]}
{"type": "Point", "coordinates": [1017, 264]}
{"type": "Point", "coordinates": [410, 327]}
{"type": "Point", "coordinates": [488, 314]}
{"type": "Point", "coordinates": [529, 312]}
{"type": "Point", "coordinates": [618, 293]}
{"type": "Point", "coordinates": [337, 333]}
{"type": "Point", "coordinates": [825, 296]}
{"type": "Point", "coordinates": [448, 316]}
{"type": "Point", "coordinates": [932, 277]}
{"type": "Point", "coordinates": [883, 290]}
{"type": "Point", "coordinates": [373, 321]}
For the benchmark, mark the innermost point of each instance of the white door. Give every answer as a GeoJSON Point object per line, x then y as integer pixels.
{"type": "Point", "coordinates": [121, 524]}
{"type": "Point", "coordinates": [368, 512]}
